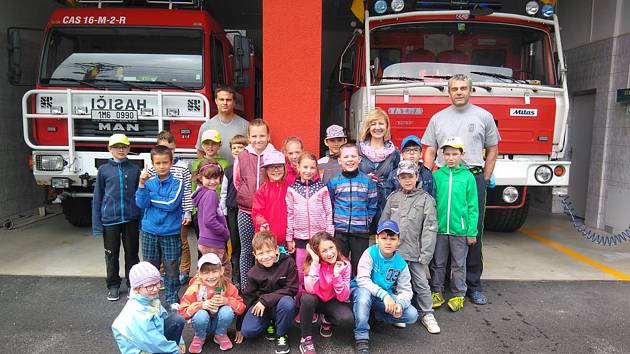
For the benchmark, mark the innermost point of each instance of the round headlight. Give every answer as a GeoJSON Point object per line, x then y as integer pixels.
{"type": "Point", "coordinates": [380, 7]}
{"type": "Point", "coordinates": [398, 5]}
{"type": "Point", "coordinates": [510, 194]}
{"type": "Point", "coordinates": [543, 174]}
{"type": "Point", "coordinates": [547, 10]}
{"type": "Point", "coordinates": [532, 7]}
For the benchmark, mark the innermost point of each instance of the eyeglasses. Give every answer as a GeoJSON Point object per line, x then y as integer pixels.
{"type": "Point", "coordinates": [120, 147]}
{"type": "Point", "coordinates": [154, 286]}
{"type": "Point", "coordinates": [412, 149]}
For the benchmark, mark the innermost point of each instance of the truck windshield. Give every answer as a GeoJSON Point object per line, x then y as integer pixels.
{"type": "Point", "coordinates": [113, 57]}
{"type": "Point", "coordinates": [486, 52]}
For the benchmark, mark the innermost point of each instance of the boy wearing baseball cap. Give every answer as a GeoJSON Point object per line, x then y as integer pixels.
{"type": "Point", "coordinates": [114, 211]}
{"type": "Point", "coordinates": [411, 150]}
{"type": "Point", "coordinates": [328, 165]}
{"type": "Point", "coordinates": [211, 144]}
{"type": "Point", "coordinates": [457, 210]}
{"type": "Point", "coordinates": [384, 285]}
{"type": "Point", "coordinates": [143, 325]}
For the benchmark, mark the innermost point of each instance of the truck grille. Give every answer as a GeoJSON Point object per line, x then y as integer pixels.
{"type": "Point", "coordinates": [140, 128]}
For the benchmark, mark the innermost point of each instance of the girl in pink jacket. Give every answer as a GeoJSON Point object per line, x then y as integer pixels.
{"type": "Point", "coordinates": [309, 211]}
{"type": "Point", "coordinates": [327, 287]}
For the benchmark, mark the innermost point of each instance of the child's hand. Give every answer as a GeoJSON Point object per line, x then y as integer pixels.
{"type": "Point", "coordinates": [310, 251]}
{"type": "Point", "coordinates": [219, 299]}
{"type": "Point", "coordinates": [471, 240]}
{"type": "Point", "coordinates": [290, 246]}
{"type": "Point", "coordinates": [207, 305]}
{"type": "Point", "coordinates": [390, 305]}
{"type": "Point", "coordinates": [258, 309]}
{"type": "Point", "coordinates": [373, 177]}
{"type": "Point", "coordinates": [182, 348]}
{"type": "Point", "coordinates": [398, 312]}
{"type": "Point", "coordinates": [339, 266]}
{"type": "Point", "coordinates": [185, 221]}
{"type": "Point", "coordinates": [238, 339]}
{"type": "Point", "coordinates": [264, 227]}
{"type": "Point", "coordinates": [144, 175]}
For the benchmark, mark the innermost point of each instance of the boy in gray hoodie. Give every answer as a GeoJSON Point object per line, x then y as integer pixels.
{"type": "Point", "coordinates": [413, 210]}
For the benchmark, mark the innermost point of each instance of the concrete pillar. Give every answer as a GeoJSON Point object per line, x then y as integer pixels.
{"type": "Point", "coordinates": [292, 38]}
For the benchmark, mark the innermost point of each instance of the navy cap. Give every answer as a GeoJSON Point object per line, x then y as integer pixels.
{"type": "Point", "coordinates": [408, 139]}
{"type": "Point", "coordinates": [387, 225]}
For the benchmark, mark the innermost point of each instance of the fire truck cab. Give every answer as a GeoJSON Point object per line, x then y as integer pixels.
{"type": "Point", "coordinates": [133, 67]}
{"type": "Point", "coordinates": [403, 57]}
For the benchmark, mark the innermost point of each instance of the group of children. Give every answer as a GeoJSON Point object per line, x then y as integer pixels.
{"type": "Point", "coordinates": [296, 241]}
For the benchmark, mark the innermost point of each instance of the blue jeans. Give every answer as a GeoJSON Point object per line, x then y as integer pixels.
{"type": "Point", "coordinates": [364, 302]}
{"type": "Point", "coordinates": [282, 315]}
{"type": "Point", "coordinates": [203, 323]}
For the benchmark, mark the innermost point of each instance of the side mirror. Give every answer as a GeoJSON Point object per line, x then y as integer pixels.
{"type": "Point", "coordinates": [22, 48]}
{"type": "Point", "coordinates": [241, 60]}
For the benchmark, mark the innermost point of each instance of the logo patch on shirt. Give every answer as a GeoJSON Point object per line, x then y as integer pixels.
{"type": "Point", "coordinates": [471, 127]}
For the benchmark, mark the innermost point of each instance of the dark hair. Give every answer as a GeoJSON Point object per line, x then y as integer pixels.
{"type": "Point", "coordinates": [161, 150]}
{"type": "Point", "coordinates": [225, 88]}
{"type": "Point", "coordinates": [238, 139]}
{"type": "Point", "coordinates": [209, 267]}
{"type": "Point", "coordinates": [349, 146]}
{"type": "Point", "coordinates": [262, 239]}
{"type": "Point", "coordinates": [314, 242]}
{"type": "Point", "coordinates": [208, 168]}
{"type": "Point", "coordinates": [166, 136]}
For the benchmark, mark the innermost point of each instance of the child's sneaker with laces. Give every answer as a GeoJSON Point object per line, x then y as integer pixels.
{"type": "Point", "coordinates": [326, 329]}
{"type": "Point", "coordinates": [282, 344]}
{"type": "Point", "coordinates": [363, 347]}
{"type": "Point", "coordinates": [456, 303]}
{"type": "Point", "coordinates": [270, 333]}
{"type": "Point", "coordinates": [196, 345]}
{"type": "Point", "coordinates": [438, 299]}
{"type": "Point", "coordinates": [430, 323]}
{"type": "Point", "coordinates": [307, 346]}
{"type": "Point", "coordinates": [223, 341]}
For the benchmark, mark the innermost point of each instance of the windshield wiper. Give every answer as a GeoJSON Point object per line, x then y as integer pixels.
{"type": "Point", "coordinates": [401, 78]}
{"type": "Point", "coordinates": [126, 83]}
{"type": "Point", "coordinates": [68, 79]}
{"type": "Point", "coordinates": [166, 83]}
{"type": "Point", "coordinates": [498, 76]}
{"type": "Point", "coordinates": [445, 77]}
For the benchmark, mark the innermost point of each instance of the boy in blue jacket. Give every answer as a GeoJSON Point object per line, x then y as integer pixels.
{"type": "Point", "coordinates": [161, 198]}
{"type": "Point", "coordinates": [143, 325]}
{"type": "Point", "coordinates": [411, 150]}
{"type": "Point", "coordinates": [114, 211]}
{"type": "Point", "coordinates": [384, 286]}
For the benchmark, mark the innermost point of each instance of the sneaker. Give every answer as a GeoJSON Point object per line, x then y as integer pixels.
{"type": "Point", "coordinates": [113, 294]}
{"type": "Point", "coordinates": [307, 346]}
{"type": "Point", "coordinates": [456, 303]}
{"type": "Point", "coordinates": [363, 347]}
{"type": "Point", "coordinates": [196, 345]}
{"type": "Point", "coordinates": [326, 329]}
{"type": "Point", "coordinates": [429, 322]}
{"type": "Point", "coordinates": [282, 344]}
{"type": "Point", "coordinates": [478, 298]}
{"type": "Point", "coordinates": [183, 278]}
{"type": "Point", "coordinates": [400, 324]}
{"type": "Point", "coordinates": [223, 341]}
{"type": "Point", "coordinates": [270, 333]}
{"type": "Point", "coordinates": [438, 299]}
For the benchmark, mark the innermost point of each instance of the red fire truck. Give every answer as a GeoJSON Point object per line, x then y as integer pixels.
{"type": "Point", "coordinates": [132, 67]}
{"type": "Point", "coordinates": [401, 61]}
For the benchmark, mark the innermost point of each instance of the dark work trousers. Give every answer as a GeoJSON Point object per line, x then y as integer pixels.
{"type": "Point", "coordinates": [352, 246]}
{"type": "Point", "coordinates": [235, 239]}
{"type": "Point", "coordinates": [334, 312]}
{"type": "Point", "coordinates": [474, 260]}
{"type": "Point", "coordinates": [174, 326]}
{"type": "Point", "coordinates": [112, 237]}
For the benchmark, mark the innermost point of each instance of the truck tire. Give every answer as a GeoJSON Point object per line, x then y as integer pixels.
{"type": "Point", "coordinates": [506, 220]}
{"type": "Point", "coordinates": [78, 211]}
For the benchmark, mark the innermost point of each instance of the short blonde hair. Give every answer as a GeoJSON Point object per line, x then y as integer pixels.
{"type": "Point", "coordinates": [374, 115]}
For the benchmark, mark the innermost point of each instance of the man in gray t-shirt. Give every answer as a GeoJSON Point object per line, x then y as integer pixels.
{"type": "Point", "coordinates": [476, 127]}
{"type": "Point", "coordinates": [226, 122]}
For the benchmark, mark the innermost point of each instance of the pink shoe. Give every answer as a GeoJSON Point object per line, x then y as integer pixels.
{"type": "Point", "coordinates": [223, 341]}
{"type": "Point", "coordinates": [196, 345]}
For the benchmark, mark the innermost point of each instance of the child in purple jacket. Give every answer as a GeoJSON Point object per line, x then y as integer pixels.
{"type": "Point", "coordinates": [213, 230]}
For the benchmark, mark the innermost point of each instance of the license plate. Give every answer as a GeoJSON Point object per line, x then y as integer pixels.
{"type": "Point", "coordinates": [117, 116]}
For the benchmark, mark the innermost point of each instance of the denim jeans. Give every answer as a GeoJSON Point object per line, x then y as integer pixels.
{"type": "Point", "coordinates": [282, 314]}
{"type": "Point", "coordinates": [203, 323]}
{"type": "Point", "coordinates": [364, 301]}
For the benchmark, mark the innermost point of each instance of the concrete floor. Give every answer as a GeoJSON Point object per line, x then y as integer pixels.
{"type": "Point", "coordinates": [546, 248]}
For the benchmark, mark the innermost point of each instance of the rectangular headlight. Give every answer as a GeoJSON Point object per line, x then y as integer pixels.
{"type": "Point", "coordinates": [49, 162]}
{"type": "Point", "coordinates": [63, 183]}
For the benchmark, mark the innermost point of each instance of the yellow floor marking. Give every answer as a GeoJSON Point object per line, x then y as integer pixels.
{"type": "Point", "coordinates": [577, 255]}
